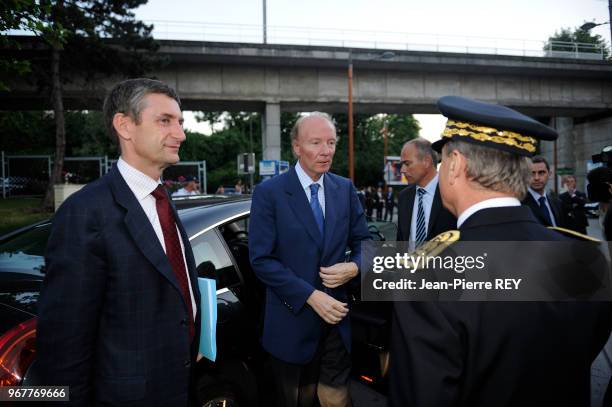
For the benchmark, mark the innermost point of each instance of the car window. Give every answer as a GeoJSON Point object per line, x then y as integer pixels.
{"type": "Point", "coordinates": [24, 253]}
{"type": "Point", "coordinates": [213, 261]}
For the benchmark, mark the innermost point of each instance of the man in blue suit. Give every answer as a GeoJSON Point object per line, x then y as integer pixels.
{"type": "Point", "coordinates": [118, 320]}
{"type": "Point", "coordinates": [302, 223]}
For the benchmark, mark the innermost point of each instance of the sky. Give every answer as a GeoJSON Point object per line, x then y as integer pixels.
{"type": "Point", "coordinates": [531, 21]}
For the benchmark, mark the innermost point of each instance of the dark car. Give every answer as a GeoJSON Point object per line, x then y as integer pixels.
{"type": "Point", "coordinates": [217, 230]}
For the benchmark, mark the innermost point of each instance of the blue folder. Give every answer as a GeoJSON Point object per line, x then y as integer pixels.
{"type": "Point", "coordinates": [208, 309]}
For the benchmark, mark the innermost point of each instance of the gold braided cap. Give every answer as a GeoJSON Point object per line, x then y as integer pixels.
{"type": "Point", "coordinates": [490, 134]}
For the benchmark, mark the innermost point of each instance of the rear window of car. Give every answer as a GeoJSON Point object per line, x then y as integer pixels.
{"type": "Point", "coordinates": [25, 252]}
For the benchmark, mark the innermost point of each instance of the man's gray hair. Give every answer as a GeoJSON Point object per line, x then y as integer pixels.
{"type": "Point", "coordinates": [296, 127]}
{"type": "Point", "coordinates": [126, 97]}
{"type": "Point", "coordinates": [423, 148]}
{"type": "Point", "coordinates": [494, 169]}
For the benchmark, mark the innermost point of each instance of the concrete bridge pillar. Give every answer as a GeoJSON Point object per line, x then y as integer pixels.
{"type": "Point", "coordinates": [271, 132]}
{"type": "Point", "coordinates": [576, 144]}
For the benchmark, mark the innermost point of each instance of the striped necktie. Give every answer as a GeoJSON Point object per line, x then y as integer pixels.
{"type": "Point", "coordinates": [421, 230]}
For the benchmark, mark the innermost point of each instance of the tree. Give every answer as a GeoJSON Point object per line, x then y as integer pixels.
{"type": "Point", "coordinates": [86, 39]}
{"type": "Point", "coordinates": [567, 39]}
{"type": "Point", "coordinates": [369, 143]}
{"type": "Point", "coordinates": [17, 15]}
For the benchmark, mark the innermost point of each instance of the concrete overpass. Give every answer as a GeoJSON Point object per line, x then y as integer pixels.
{"type": "Point", "coordinates": [573, 95]}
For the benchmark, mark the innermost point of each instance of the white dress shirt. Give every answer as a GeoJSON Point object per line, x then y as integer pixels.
{"type": "Point", "coordinates": [306, 181]}
{"type": "Point", "coordinates": [142, 186]}
{"type": "Point", "coordinates": [488, 203]}
{"type": "Point", "coordinates": [428, 197]}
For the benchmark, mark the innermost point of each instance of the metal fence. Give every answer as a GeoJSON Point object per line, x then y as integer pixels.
{"type": "Point", "coordinates": [253, 33]}
{"type": "Point", "coordinates": [28, 175]}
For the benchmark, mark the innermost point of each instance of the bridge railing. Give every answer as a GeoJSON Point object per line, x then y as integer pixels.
{"type": "Point", "coordinates": [253, 33]}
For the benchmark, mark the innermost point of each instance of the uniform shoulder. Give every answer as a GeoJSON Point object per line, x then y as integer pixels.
{"type": "Point", "coordinates": [573, 234]}
{"type": "Point", "coordinates": [436, 245]}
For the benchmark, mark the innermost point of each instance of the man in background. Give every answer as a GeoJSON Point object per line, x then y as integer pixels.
{"type": "Point", "coordinates": [545, 205]}
{"type": "Point", "coordinates": [190, 187]}
{"type": "Point", "coordinates": [420, 212]}
{"type": "Point", "coordinates": [389, 204]}
{"type": "Point", "coordinates": [573, 202]}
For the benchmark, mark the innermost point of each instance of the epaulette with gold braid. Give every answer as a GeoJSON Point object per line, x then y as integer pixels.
{"type": "Point", "coordinates": [436, 245]}
{"type": "Point", "coordinates": [574, 234]}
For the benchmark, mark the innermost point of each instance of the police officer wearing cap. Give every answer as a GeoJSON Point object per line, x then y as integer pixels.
{"type": "Point", "coordinates": [493, 353]}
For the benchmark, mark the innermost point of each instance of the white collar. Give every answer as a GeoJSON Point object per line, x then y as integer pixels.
{"type": "Point", "coordinates": [305, 179]}
{"type": "Point", "coordinates": [488, 203]}
{"type": "Point", "coordinates": [431, 186]}
{"type": "Point", "coordinates": [139, 182]}
{"type": "Point", "coordinates": [536, 195]}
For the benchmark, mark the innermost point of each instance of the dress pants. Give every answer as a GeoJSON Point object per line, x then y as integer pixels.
{"type": "Point", "coordinates": [325, 378]}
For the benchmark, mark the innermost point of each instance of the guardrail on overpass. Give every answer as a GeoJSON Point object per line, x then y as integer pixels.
{"type": "Point", "coordinates": [253, 33]}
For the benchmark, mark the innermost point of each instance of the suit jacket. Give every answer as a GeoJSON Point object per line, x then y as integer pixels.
{"type": "Point", "coordinates": [390, 200]}
{"type": "Point", "coordinates": [573, 209]}
{"type": "Point", "coordinates": [286, 251]}
{"type": "Point", "coordinates": [555, 206]}
{"type": "Point", "coordinates": [497, 353]}
{"type": "Point", "coordinates": [440, 219]}
{"type": "Point", "coordinates": [112, 322]}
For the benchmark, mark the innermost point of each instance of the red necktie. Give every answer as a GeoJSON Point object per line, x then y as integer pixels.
{"type": "Point", "coordinates": [173, 248]}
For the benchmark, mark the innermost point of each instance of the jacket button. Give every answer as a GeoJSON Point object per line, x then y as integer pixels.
{"type": "Point", "coordinates": [184, 321]}
{"type": "Point", "coordinates": [187, 363]}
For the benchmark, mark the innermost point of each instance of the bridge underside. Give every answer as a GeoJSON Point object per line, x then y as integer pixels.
{"type": "Point", "coordinates": [92, 101]}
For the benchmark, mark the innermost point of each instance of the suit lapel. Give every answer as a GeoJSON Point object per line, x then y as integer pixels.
{"type": "Point", "coordinates": [535, 208]}
{"type": "Point", "coordinates": [410, 204]}
{"type": "Point", "coordinates": [331, 199]}
{"type": "Point", "coordinates": [139, 227]}
{"type": "Point", "coordinates": [436, 207]}
{"type": "Point", "coordinates": [300, 207]}
{"type": "Point", "coordinates": [554, 207]}
{"type": "Point", "coordinates": [189, 260]}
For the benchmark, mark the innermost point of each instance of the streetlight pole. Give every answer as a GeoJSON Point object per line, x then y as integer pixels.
{"type": "Point", "coordinates": [350, 118]}
{"type": "Point", "coordinates": [590, 25]}
{"type": "Point", "coordinates": [265, 24]}
{"type": "Point", "coordinates": [384, 55]}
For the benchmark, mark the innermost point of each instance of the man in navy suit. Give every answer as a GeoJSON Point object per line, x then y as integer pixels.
{"type": "Point", "coordinates": [546, 207]}
{"type": "Point", "coordinates": [302, 223]}
{"type": "Point", "coordinates": [117, 314]}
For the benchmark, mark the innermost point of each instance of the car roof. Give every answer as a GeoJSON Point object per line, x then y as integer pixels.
{"type": "Point", "coordinates": [209, 215]}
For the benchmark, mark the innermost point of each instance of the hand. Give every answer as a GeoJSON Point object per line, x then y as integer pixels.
{"type": "Point", "coordinates": [338, 274]}
{"type": "Point", "coordinates": [329, 309]}
{"type": "Point", "coordinates": [199, 357]}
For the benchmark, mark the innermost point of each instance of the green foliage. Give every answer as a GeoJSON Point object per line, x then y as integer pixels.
{"type": "Point", "coordinates": [369, 143]}
{"type": "Point", "coordinates": [18, 212]}
{"type": "Point", "coordinates": [96, 39]}
{"type": "Point", "coordinates": [566, 40]}
{"type": "Point", "coordinates": [16, 15]}
{"type": "Point", "coordinates": [32, 133]}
